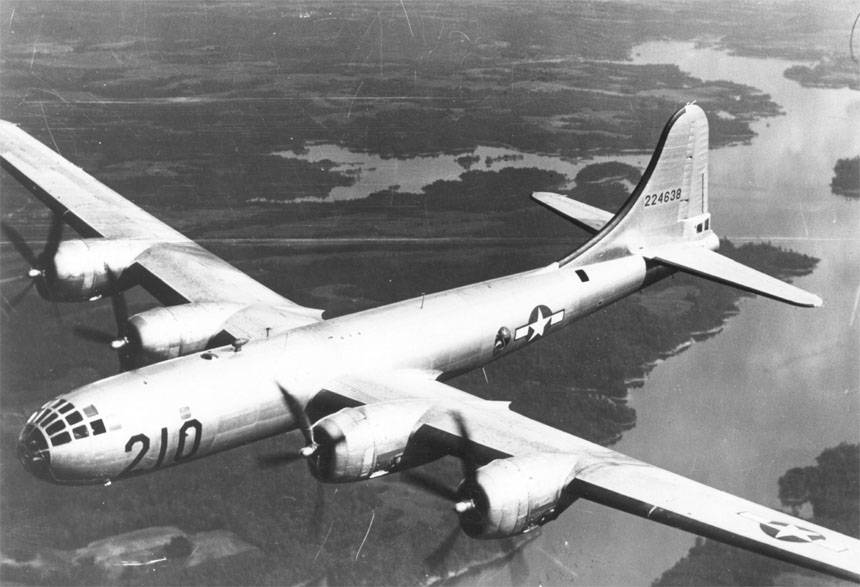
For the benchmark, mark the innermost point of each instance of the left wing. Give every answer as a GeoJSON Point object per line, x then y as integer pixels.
{"type": "Point", "coordinates": [172, 268]}
{"type": "Point", "coordinates": [611, 478]}
{"type": "Point", "coordinates": [588, 217]}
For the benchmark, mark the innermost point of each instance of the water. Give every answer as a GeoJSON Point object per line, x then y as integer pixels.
{"type": "Point", "coordinates": [779, 384]}
{"type": "Point", "coordinates": [373, 173]}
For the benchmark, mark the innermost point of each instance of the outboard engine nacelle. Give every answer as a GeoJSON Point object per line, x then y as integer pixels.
{"type": "Point", "coordinates": [83, 269]}
{"type": "Point", "coordinates": [512, 496]}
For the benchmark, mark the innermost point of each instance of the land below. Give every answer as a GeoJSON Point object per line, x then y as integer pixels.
{"type": "Point", "coordinates": [183, 108]}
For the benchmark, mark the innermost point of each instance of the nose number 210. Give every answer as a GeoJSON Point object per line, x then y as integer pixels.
{"type": "Point", "coordinates": [186, 446]}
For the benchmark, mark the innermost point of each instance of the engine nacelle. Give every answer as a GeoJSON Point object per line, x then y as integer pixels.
{"type": "Point", "coordinates": [369, 441]}
{"type": "Point", "coordinates": [515, 495]}
{"type": "Point", "coordinates": [173, 331]}
{"type": "Point", "coordinates": [81, 267]}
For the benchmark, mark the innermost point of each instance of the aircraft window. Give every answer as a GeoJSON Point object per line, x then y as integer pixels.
{"type": "Point", "coordinates": [90, 411]}
{"type": "Point", "coordinates": [50, 419]}
{"type": "Point", "coordinates": [699, 227]}
{"type": "Point", "coordinates": [42, 416]}
{"type": "Point", "coordinates": [66, 408]}
{"type": "Point", "coordinates": [98, 427]}
{"type": "Point", "coordinates": [55, 427]}
{"type": "Point", "coordinates": [583, 276]}
{"type": "Point", "coordinates": [80, 432]}
{"type": "Point", "coordinates": [58, 403]}
{"type": "Point", "coordinates": [74, 418]}
{"type": "Point", "coordinates": [61, 439]}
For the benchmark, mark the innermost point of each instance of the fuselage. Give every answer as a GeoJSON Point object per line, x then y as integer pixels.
{"type": "Point", "coordinates": [193, 406]}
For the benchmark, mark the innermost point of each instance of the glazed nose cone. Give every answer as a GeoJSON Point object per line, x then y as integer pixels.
{"type": "Point", "coordinates": [33, 452]}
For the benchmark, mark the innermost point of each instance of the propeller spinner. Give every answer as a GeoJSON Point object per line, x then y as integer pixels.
{"type": "Point", "coordinates": [42, 269]}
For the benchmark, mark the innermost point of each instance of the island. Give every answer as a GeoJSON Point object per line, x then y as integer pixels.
{"type": "Point", "coordinates": [846, 178]}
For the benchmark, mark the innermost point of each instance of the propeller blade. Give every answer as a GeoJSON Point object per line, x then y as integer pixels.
{"type": "Point", "coordinates": [21, 295]}
{"type": "Point", "coordinates": [118, 303]}
{"type": "Point", "coordinates": [518, 565]}
{"type": "Point", "coordinates": [126, 358]}
{"type": "Point", "coordinates": [19, 243]}
{"type": "Point", "coordinates": [298, 413]}
{"type": "Point", "coordinates": [429, 485]}
{"type": "Point", "coordinates": [271, 461]}
{"type": "Point", "coordinates": [55, 236]}
{"type": "Point", "coordinates": [94, 335]}
{"type": "Point", "coordinates": [318, 512]}
{"type": "Point", "coordinates": [13, 279]}
{"type": "Point", "coordinates": [436, 559]}
{"type": "Point", "coordinates": [467, 454]}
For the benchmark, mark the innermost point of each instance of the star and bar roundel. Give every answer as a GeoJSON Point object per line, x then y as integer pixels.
{"type": "Point", "coordinates": [787, 531]}
{"type": "Point", "coordinates": [540, 321]}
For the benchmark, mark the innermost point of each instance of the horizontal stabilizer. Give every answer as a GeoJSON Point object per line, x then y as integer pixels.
{"type": "Point", "coordinates": [588, 217]}
{"type": "Point", "coordinates": [711, 265]}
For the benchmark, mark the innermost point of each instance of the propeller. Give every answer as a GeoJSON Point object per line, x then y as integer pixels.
{"type": "Point", "coordinates": [42, 269]}
{"type": "Point", "coordinates": [466, 452]}
{"type": "Point", "coordinates": [300, 416]}
{"type": "Point", "coordinates": [121, 342]}
{"type": "Point", "coordinates": [307, 451]}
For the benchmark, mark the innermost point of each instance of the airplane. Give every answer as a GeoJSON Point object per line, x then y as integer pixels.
{"type": "Point", "coordinates": [226, 361]}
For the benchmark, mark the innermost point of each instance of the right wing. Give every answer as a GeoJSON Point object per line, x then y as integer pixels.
{"type": "Point", "coordinates": [174, 269]}
{"type": "Point", "coordinates": [606, 476]}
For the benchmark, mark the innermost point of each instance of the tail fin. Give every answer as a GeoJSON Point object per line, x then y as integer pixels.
{"type": "Point", "coordinates": [666, 218]}
{"type": "Point", "coordinates": [670, 204]}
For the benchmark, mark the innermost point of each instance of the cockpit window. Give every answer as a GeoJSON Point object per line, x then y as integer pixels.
{"type": "Point", "coordinates": [55, 427]}
{"type": "Point", "coordinates": [60, 439]}
{"type": "Point", "coordinates": [74, 426]}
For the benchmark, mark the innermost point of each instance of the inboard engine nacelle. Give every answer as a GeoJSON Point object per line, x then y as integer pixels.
{"type": "Point", "coordinates": [173, 331]}
{"type": "Point", "coordinates": [511, 496]}
{"type": "Point", "coordinates": [369, 441]}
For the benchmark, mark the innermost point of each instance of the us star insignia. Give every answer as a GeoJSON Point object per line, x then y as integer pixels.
{"type": "Point", "coordinates": [790, 532]}
{"type": "Point", "coordinates": [540, 320]}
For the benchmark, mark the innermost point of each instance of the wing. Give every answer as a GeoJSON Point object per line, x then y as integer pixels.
{"type": "Point", "coordinates": [588, 217]}
{"type": "Point", "coordinates": [613, 479]}
{"type": "Point", "coordinates": [174, 269]}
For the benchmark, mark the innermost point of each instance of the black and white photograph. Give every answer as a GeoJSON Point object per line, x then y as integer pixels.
{"type": "Point", "coordinates": [429, 292]}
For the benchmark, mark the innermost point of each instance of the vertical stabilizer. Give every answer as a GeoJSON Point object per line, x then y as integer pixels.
{"type": "Point", "coordinates": [670, 204]}
{"type": "Point", "coordinates": [666, 218]}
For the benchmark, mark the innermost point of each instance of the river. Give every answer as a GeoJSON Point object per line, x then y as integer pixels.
{"type": "Point", "coordinates": [779, 384]}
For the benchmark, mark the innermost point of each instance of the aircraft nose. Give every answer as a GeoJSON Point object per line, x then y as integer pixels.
{"type": "Point", "coordinates": [33, 452]}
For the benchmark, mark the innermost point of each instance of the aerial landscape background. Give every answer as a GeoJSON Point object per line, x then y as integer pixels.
{"type": "Point", "coordinates": [351, 154]}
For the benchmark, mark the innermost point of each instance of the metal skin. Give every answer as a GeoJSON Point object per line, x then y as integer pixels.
{"type": "Point", "coordinates": [207, 402]}
{"type": "Point", "coordinates": [360, 443]}
{"type": "Point", "coordinates": [513, 496]}
{"type": "Point", "coordinates": [166, 333]}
